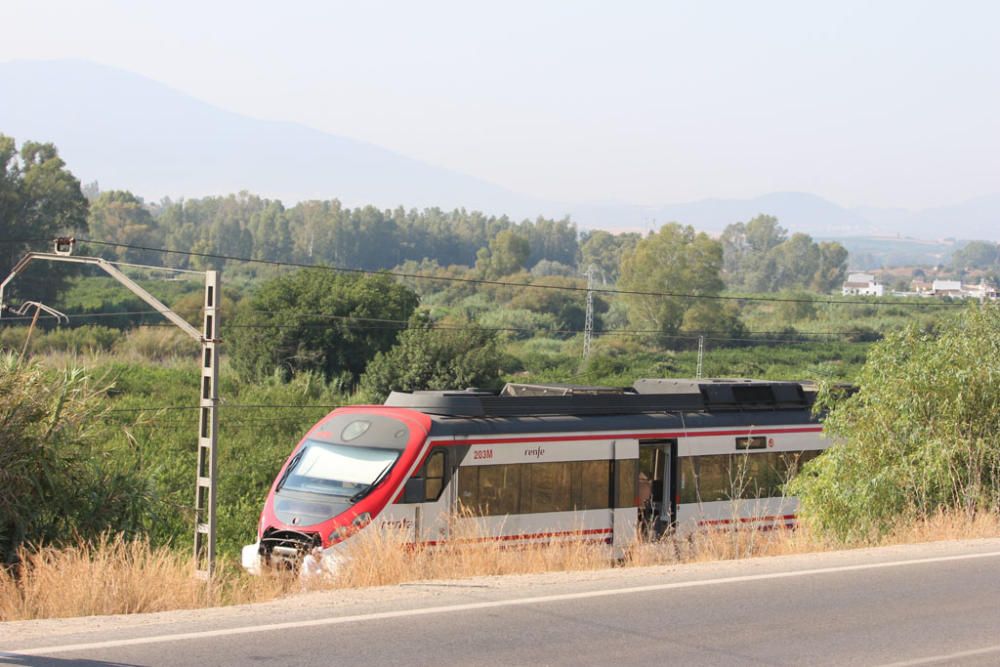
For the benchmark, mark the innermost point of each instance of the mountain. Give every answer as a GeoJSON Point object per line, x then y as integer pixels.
{"type": "Point", "coordinates": [130, 132]}
{"type": "Point", "coordinates": [797, 211]}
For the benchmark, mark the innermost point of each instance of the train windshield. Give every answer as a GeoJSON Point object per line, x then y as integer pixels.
{"type": "Point", "coordinates": [337, 470]}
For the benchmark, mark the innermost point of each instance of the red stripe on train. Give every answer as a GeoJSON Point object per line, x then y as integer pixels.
{"type": "Point", "coordinates": [611, 436]}
{"type": "Point", "coordinates": [527, 536]}
{"type": "Point", "coordinates": [750, 519]}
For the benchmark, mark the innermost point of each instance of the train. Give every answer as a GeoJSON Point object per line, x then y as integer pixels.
{"type": "Point", "coordinates": [544, 462]}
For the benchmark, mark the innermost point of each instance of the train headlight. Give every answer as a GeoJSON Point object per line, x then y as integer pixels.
{"type": "Point", "coordinates": [343, 532]}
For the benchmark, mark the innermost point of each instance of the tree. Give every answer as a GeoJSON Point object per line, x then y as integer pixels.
{"type": "Point", "coordinates": [120, 216]}
{"type": "Point", "coordinates": [675, 259]}
{"type": "Point", "coordinates": [555, 240]}
{"type": "Point", "coordinates": [604, 250]}
{"type": "Point", "coordinates": [272, 238]}
{"type": "Point", "coordinates": [759, 256]}
{"type": "Point", "coordinates": [320, 321]}
{"type": "Point", "coordinates": [976, 255]}
{"type": "Point", "coordinates": [428, 358]}
{"type": "Point", "coordinates": [921, 433]}
{"type": "Point", "coordinates": [746, 247]}
{"type": "Point", "coordinates": [39, 199]}
{"type": "Point", "coordinates": [794, 262]}
{"type": "Point", "coordinates": [508, 253]}
{"type": "Point", "coordinates": [832, 268]}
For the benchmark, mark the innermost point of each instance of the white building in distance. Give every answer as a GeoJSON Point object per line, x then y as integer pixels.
{"type": "Point", "coordinates": [863, 284]}
{"type": "Point", "coordinates": [955, 289]}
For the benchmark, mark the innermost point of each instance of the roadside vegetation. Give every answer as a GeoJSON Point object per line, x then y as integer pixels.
{"type": "Point", "coordinates": [112, 576]}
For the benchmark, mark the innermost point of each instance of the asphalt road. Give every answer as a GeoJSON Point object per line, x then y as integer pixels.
{"type": "Point", "coordinates": [913, 605]}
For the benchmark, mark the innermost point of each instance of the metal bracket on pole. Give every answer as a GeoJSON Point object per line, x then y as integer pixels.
{"type": "Point", "coordinates": [208, 426]}
{"type": "Point", "coordinates": [112, 271]}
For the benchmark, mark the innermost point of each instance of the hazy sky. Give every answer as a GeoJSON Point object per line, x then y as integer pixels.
{"type": "Point", "coordinates": [891, 103]}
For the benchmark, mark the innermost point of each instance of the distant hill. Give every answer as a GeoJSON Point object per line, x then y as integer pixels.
{"type": "Point", "coordinates": [127, 131]}
{"type": "Point", "coordinates": [869, 253]}
{"type": "Point", "coordinates": [796, 211]}
{"type": "Point", "coordinates": [130, 132]}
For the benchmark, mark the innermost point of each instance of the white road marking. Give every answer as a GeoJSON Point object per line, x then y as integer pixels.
{"type": "Point", "coordinates": [946, 658]}
{"type": "Point", "coordinates": [474, 606]}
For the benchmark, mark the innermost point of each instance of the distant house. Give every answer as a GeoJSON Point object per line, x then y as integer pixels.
{"type": "Point", "coordinates": [862, 284]}
{"type": "Point", "coordinates": [981, 291]}
{"type": "Point", "coordinates": [954, 289]}
{"type": "Point", "coordinates": [947, 288]}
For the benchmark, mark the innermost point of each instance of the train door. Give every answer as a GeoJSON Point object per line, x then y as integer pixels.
{"type": "Point", "coordinates": [623, 493]}
{"type": "Point", "coordinates": [657, 486]}
{"type": "Point", "coordinates": [432, 515]}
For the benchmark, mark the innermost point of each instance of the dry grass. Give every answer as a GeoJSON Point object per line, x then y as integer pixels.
{"type": "Point", "coordinates": [116, 576]}
{"type": "Point", "coordinates": [377, 558]}
{"type": "Point", "coordinates": [155, 344]}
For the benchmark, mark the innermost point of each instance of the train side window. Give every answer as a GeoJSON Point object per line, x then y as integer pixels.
{"type": "Point", "coordinates": [548, 488]}
{"type": "Point", "coordinates": [625, 486]}
{"type": "Point", "coordinates": [468, 487]}
{"type": "Point", "coordinates": [434, 475]}
{"type": "Point", "coordinates": [705, 479]}
{"type": "Point", "coordinates": [490, 490]}
{"type": "Point", "coordinates": [595, 485]}
{"type": "Point", "coordinates": [742, 476]}
{"type": "Point", "coordinates": [751, 442]}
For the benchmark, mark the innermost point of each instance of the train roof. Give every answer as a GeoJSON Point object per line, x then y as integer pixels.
{"type": "Point", "coordinates": [644, 397]}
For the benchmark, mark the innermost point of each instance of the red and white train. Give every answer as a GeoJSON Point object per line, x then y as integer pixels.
{"type": "Point", "coordinates": [544, 462]}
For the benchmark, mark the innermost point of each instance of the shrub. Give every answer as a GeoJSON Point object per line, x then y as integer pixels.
{"type": "Point", "coordinates": [318, 321]}
{"type": "Point", "coordinates": [518, 324]}
{"type": "Point", "coordinates": [921, 434]}
{"type": "Point", "coordinates": [428, 358]}
{"type": "Point", "coordinates": [55, 481]}
{"type": "Point", "coordinates": [77, 340]}
{"type": "Point", "coordinates": [157, 343]}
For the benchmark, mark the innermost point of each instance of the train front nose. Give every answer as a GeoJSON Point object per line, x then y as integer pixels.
{"type": "Point", "coordinates": [285, 548]}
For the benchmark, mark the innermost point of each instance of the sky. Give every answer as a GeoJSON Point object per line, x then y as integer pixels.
{"type": "Point", "coordinates": [883, 103]}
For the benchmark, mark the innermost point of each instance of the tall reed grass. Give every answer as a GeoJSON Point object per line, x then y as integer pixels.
{"type": "Point", "coordinates": [117, 576]}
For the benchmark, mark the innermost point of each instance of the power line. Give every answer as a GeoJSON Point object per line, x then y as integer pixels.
{"type": "Point", "coordinates": [789, 336]}
{"type": "Point", "coordinates": [356, 321]}
{"type": "Point", "coordinates": [160, 408]}
{"type": "Point", "coordinates": [81, 316]}
{"type": "Point", "coordinates": [502, 283]}
{"type": "Point", "coordinates": [23, 241]}
{"type": "Point", "coordinates": [475, 327]}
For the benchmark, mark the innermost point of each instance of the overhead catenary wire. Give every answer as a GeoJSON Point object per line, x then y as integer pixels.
{"type": "Point", "coordinates": [790, 336]}
{"type": "Point", "coordinates": [231, 406]}
{"type": "Point", "coordinates": [504, 283]}
{"type": "Point", "coordinates": [377, 323]}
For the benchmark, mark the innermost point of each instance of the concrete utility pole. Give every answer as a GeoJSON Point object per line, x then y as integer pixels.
{"type": "Point", "coordinates": [204, 531]}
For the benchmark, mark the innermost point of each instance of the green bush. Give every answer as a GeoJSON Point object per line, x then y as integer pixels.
{"type": "Point", "coordinates": [428, 358]}
{"type": "Point", "coordinates": [921, 434]}
{"type": "Point", "coordinates": [315, 320]}
{"type": "Point", "coordinates": [158, 343]}
{"type": "Point", "coordinates": [58, 481]}
{"type": "Point", "coordinates": [76, 340]}
{"type": "Point", "coordinates": [518, 324]}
